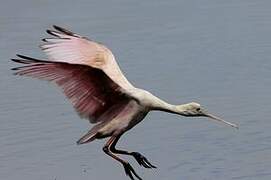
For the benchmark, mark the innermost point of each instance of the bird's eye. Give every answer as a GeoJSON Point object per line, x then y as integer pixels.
{"type": "Point", "coordinates": [198, 109]}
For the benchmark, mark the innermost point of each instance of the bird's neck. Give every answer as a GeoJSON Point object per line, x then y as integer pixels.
{"type": "Point", "coordinates": [161, 105]}
{"type": "Point", "coordinates": [171, 108]}
{"type": "Point", "coordinates": [154, 103]}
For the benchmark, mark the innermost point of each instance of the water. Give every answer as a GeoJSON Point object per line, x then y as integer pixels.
{"type": "Point", "coordinates": [213, 52]}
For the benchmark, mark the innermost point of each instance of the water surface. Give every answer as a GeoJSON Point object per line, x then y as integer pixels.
{"type": "Point", "coordinates": [213, 52]}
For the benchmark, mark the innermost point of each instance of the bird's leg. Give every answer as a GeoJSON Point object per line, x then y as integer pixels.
{"type": "Point", "coordinates": [127, 167]}
{"type": "Point", "coordinates": [142, 161]}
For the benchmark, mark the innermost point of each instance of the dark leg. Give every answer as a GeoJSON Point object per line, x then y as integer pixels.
{"type": "Point", "coordinates": [142, 161]}
{"type": "Point", "coordinates": [127, 167]}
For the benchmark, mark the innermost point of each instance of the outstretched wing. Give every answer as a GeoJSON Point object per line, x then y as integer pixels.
{"type": "Point", "coordinates": [93, 94]}
{"type": "Point", "coordinates": [72, 48]}
{"type": "Point", "coordinates": [85, 70]}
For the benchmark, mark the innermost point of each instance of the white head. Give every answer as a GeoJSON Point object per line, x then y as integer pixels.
{"type": "Point", "coordinates": [189, 109]}
{"type": "Point", "coordinates": [194, 109]}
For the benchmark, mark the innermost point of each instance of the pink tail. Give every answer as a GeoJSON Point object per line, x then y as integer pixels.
{"type": "Point", "coordinates": [90, 136]}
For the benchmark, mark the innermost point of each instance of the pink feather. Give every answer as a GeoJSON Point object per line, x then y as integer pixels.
{"type": "Point", "coordinates": [93, 94]}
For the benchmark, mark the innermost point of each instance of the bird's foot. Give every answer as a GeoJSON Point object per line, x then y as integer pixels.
{"type": "Point", "coordinates": [130, 171]}
{"type": "Point", "coordinates": [142, 161]}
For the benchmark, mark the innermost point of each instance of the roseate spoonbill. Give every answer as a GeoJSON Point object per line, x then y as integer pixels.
{"type": "Point", "coordinates": [90, 77]}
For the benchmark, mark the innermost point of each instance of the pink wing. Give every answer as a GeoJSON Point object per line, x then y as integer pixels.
{"type": "Point", "coordinates": [93, 94]}
{"type": "Point", "coordinates": [85, 70]}
{"type": "Point", "coordinates": [72, 48]}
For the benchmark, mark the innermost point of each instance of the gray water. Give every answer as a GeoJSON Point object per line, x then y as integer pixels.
{"type": "Point", "coordinates": [214, 52]}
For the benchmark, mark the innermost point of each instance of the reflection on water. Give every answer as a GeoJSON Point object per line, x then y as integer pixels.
{"type": "Point", "coordinates": [216, 53]}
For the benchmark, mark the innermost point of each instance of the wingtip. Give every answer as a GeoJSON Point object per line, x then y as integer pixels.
{"type": "Point", "coordinates": [15, 73]}
{"type": "Point", "coordinates": [56, 27]}
{"type": "Point", "coordinates": [18, 55]}
{"type": "Point", "coordinates": [28, 60]}
{"type": "Point", "coordinates": [14, 69]}
{"type": "Point", "coordinates": [49, 31]}
{"type": "Point", "coordinates": [78, 142]}
{"type": "Point", "coordinates": [53, 33]}
{"type": "Point", "coordinates": [64, 31]}
{"type": "Point", "coordinates": [14, 60]}
{"type": "Point", "coordinates": [19, 61]}
{"type": "Point", "coordinates": [21, 56]}
{"type": "Point", "coordinates": [25, 57]}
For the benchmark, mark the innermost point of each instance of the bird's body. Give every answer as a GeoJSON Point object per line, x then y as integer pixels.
{"type": "Point", "coordinates": [90, 77]}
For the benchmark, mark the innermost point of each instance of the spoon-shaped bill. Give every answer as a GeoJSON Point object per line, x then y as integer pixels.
{"type": "Point", "coordinates": [221, 120]}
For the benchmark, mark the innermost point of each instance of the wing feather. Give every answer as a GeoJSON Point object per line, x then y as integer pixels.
{"type": "Point", "coordinates": [72, 48]}
{"type": "Point", "coordinates": [93, 94]}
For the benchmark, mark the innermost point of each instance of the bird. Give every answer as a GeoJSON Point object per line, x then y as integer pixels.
{"type": "Point", "coordinates": [92, 80]}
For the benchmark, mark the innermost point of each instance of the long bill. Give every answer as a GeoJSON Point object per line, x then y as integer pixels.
{"type": "Point", "coordinates": [220, 120]}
